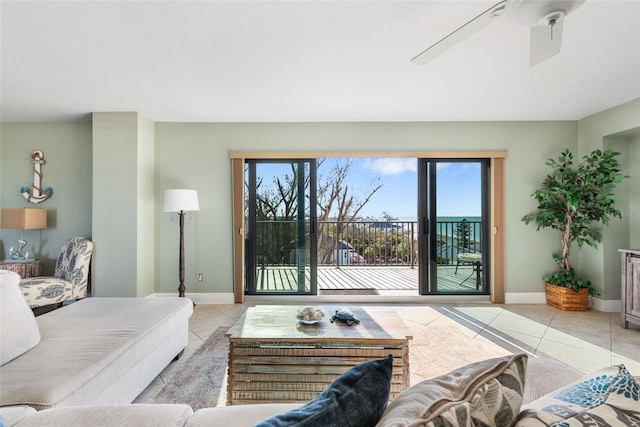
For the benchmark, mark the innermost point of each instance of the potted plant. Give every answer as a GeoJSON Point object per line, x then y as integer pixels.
{"type": "Point", "coordinates": [573, 200]}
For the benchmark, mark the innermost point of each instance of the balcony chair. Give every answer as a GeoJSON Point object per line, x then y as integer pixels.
{"type": "Point", "coordinates": [474, 259]}
{"type": "Point", "coordinates": [70, 279]}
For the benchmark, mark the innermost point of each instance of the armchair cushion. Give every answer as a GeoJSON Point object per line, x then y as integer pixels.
{"type": "Point", "coordinates": [43, 290]}
{"type": "Point", "coordinates": [18, 326]}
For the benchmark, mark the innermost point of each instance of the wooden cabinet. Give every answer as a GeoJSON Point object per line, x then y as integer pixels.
{"type": "Point", "coordinates": [630, 287]}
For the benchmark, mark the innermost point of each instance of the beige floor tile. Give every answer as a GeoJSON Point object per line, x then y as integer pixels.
{"type": "Point", "coordinates": [592, 343]}
{"type": "Point", "coordinates": [518, 325]}
{"type": "Point", "coordinates": [484, 315]}
{"type": "Point", "coordinates": [540, 313]}
{"type": "Point", "coordinates": [421, 315]}
{"type": "Point", "coordinates": [581, 359]}
{"type": "Point", "coordinates": [446, 337]}
{"type": "Point", "coordinates": [516, 339]}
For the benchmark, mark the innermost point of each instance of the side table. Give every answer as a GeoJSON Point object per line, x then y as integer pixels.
{"type": "Point", "coordinates": [25, 269]}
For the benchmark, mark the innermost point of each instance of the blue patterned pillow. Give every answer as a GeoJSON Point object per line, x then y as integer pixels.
{"type": "Point", "coordinates": [609, 396]}
{"type": "Point", "coordinates": [356, 398]}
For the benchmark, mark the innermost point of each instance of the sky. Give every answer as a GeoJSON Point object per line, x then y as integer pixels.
{"type": "Point", "coordinates": [458, 185]}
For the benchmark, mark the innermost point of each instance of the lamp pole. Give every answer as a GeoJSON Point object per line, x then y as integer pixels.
{"type": "Point", "coordinates": [181, 262]}
{"type": "Point", "coordinates": [181, 201]}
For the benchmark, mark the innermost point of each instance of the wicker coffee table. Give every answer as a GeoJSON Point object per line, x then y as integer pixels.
{"type": "Point", "coordinates": [275, 358]}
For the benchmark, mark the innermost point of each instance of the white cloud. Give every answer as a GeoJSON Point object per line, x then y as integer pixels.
{"type": "Point", "coordinates": [392, 166]}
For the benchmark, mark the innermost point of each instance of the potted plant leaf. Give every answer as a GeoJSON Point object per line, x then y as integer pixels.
{"type": "Point", "coordinates": [574, 200]}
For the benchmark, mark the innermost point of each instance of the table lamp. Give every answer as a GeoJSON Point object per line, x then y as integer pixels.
{"type": "Point", "coordinates": [22, 219]}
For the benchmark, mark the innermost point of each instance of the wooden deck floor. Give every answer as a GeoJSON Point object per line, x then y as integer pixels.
{"type": "Point", "coordinates": [284, 279]}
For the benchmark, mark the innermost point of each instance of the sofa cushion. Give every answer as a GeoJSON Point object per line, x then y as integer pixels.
{"type": "Point", "coordinates": [239, 415]}
{"type": "Point", "coordinates": [356, 398]}
{"type": "Point", "coordinates": [166, 415]}
{"type": "Point", "coordinates": [483, 393]}
{"type": "Point", "coordinates": [97, 351]}
{"type": "Point", "coordinates": [11, 415]}
{"type": "Point", "coordinates": [608, 396]}
{"type": "Point", "coordinates": [18, 327]}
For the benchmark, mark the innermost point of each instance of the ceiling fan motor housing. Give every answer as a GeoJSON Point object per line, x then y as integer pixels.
{"type": "Point", "coordinates": [535, 13]}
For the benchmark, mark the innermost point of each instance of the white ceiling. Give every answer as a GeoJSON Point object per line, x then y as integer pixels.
{"type": "Point", "coordinates": [246, 61]}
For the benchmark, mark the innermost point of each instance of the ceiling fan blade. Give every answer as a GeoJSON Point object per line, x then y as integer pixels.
{"type": "Point", "coordinates": [460, 34]}
{"type": "Point", "coordinates": [545, 42]}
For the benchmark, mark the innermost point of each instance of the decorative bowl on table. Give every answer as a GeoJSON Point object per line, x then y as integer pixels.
{"type": "Point", "coordinates": [310, 315]}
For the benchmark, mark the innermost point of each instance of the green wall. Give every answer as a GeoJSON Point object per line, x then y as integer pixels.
{"type": "Point", "coordinates": [619, 129]}
{"type": "Point", "coordinates": [197, 156]}
{"type": "Point", "coordinates": [123, 204]}
{"type": "Point", "coordinates": [68, 169]}
{"type": "Point", "coordinates": [109, 178]}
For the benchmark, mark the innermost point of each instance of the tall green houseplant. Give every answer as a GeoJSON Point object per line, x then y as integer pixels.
{"type": "Point", "coordinates": [573, 200]}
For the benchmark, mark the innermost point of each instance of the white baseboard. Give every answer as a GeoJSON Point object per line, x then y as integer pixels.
{"type": "Point", "coordinates": [607, 305]}
{"type": "Point", "coordinates": [525, 298]}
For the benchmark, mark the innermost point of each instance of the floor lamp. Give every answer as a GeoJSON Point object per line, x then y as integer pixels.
{"type": "Point", "coordinates": [181, 201]}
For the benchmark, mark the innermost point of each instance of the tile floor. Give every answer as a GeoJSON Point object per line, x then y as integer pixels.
{"type": "Point", "coordinates": [448, 336]}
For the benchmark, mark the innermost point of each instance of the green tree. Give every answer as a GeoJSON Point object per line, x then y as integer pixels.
{"type": "Point", "coordinates": [337, 202]}
{"type": "Point", "coordinates": [573, 200]}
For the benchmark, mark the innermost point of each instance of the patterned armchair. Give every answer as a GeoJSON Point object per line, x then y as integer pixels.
{"type": "Point", "coordinates": [70, 279]}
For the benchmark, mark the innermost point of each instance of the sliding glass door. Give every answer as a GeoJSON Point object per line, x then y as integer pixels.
{"type": "Point", "coordinates": [280, 227]}
{"type": "Point", "coordinates": [453, 227]}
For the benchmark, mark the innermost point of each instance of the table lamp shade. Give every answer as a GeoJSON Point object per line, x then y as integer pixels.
{"type": "Point", "coordinates": [181, 200]}
{"type": "Point", "coordinates": [24, 219]}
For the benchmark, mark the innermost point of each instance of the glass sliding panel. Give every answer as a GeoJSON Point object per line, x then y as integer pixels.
{"type": "Point", "coordinates": [280, 224]}
{"type": "Point", "coordinates": [454, 210]}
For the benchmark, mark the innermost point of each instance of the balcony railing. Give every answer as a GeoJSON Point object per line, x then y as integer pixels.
{"type": "Point", "coordinates": [367, 243]}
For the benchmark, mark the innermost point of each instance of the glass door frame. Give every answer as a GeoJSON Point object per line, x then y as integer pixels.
{"type": "Point", "coordinates": [427, 224]}
{"type": "Point", "coordinates": [497, 197]}
{"type": "Point", "coordinates": [250, 287]}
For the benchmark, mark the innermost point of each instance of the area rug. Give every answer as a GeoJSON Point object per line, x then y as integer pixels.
{"type": "Point", "coordinates": [199, 381]}
{"type": "Point", "coordinates": [349, 292]}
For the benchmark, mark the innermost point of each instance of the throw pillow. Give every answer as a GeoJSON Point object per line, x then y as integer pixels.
{"type": "Point", "coordinates": [18, 327]}
{"type": "Point", "coordinates": [607, 397]}
{"type": "Point", "coordinates": [356, 398]}
{"type": "Point", "coordinates": [486, 393]}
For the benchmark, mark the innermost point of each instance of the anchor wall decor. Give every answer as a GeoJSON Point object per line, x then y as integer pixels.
{"type": "Point", "coordinates": [37, 195]}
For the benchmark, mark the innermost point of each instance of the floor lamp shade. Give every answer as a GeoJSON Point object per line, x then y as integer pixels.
{"type": "Point", "coordinates": [181, 200]}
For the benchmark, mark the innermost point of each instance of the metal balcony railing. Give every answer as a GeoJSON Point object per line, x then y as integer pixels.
{"type": "Point", "coordinates": [367, 243]}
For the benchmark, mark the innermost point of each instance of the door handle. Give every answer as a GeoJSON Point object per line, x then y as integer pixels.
{"type": "Point", "coordinates": [425, 226]}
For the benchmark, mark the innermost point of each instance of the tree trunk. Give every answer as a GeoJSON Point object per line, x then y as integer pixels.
{"type": "Point", "coordinates": [566, 244]}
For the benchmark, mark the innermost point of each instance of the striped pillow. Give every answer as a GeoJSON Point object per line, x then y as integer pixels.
{"type": "Point", "coordinates": [483, 393]}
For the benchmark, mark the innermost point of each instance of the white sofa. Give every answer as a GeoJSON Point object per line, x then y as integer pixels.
{"type": "Point", "coordinates": [95, 351]}
{"type": "Point", "coordinates": [481, 389]}
{"type": "Point", "coordinates": [106, 378]}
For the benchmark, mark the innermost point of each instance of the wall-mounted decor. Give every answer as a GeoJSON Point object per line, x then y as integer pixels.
{"type": "Point", "coordinates": [37, 195]}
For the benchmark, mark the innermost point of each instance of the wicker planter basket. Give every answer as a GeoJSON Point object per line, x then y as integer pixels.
{"type": "Point", "coordinates": [566, 299]}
